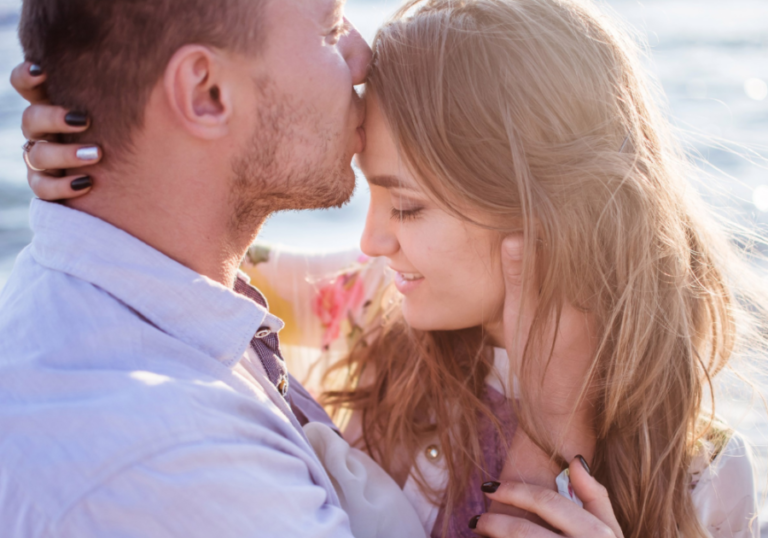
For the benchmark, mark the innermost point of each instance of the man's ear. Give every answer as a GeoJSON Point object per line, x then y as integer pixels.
{"type": "Point", "coordinates": [196, 93]}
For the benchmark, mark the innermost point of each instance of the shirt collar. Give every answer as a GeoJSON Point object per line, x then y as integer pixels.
{"type": "Point", "coordinates": [499, 377]}
{"type": "Point", "coordinates": [182, 303]}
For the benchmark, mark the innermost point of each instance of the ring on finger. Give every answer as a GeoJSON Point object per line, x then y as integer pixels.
{"type": "Point", "coordinates": [27, 147]}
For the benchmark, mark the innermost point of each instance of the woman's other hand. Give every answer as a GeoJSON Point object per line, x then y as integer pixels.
{"type": "Point", "coordinates": [595, 520]}
{"type": "Point", "coordinates": [48, 161]}
{"type": "Point", "coordinates": [554, 383]}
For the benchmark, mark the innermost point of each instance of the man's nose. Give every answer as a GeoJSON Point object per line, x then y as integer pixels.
{"type": "Point", "coordinates": [356, 52]}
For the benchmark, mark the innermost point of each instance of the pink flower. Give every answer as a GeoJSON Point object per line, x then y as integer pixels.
{"type": "Point", "coordinates": [336, 301]}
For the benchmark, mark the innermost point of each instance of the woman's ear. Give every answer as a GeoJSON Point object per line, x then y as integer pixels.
{"type": "Point", "coordinates": [196, 93]}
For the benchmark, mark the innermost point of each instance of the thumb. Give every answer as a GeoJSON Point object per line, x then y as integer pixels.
{"type": "Point", "coordinates": [593, 494]}
{"type": "Point", "coordinates": [518, 310]}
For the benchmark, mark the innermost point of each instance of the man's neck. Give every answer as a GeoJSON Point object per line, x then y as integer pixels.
{"type": "Point", "coordinates": [191, 226]}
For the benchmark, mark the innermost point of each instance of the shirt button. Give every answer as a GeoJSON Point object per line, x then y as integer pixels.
{"type": "Point", "coordinates": [262, 332]}
{"type": "Point", "coordinates": [433, 453]}
{"type": "Point", "coordinates": [282, 386]}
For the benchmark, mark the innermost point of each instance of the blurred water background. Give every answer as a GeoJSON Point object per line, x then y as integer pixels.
{"type": "Point", "coordinates": [711, 58]}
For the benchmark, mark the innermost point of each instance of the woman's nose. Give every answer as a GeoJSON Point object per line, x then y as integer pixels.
{"type": "Point", "coordinates": [356, 52]}
{"type": "Point", "coordinates": [378, 238]}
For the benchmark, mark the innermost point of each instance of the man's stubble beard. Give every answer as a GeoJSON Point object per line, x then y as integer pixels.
{"type": "Point", "coordinates": [269, 175]}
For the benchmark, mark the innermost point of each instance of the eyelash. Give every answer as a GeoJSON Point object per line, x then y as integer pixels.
{"type": "Point", "coordinates": [405, 214]}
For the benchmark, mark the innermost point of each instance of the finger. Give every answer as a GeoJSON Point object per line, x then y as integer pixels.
{"type": "Point", "coordinates": [504, 526]}
{"type": "Point", "coordinates": [512, 249]}
{"type": "Point", "coordinates": [27, 79]}
{"type": "Point", "coordinates": [563, 514]}
{"type": "Point", "coordinates": [520, 299]}
{"type": "Point", "coordinates": [40, 121]}
{"type": "Point", "coordinates": [51, 188]}
{"type": "Point", "coordinates": [593, 494]}
{"type": "Point", "coordinates": [50, 156]}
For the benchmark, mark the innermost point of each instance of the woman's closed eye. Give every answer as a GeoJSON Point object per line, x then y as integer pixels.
{"type": "Point", "coordinates": [406, 213]}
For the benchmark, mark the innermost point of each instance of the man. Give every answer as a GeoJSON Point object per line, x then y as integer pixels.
{"type": "Point", "coordinates": [139, 394]}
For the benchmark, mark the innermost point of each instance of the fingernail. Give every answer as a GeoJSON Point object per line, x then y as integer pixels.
{"type": "Point", "coordinates": [473, 522]}
{"type": "Point", "coordinates": [35, 70]}
{"type": "Point", "coordinates": [76, 119]}
{"type": "Point", "coordinates": [81, 183]}
{"type": "Point", "coordinates": [584, 464]}
{"type": "Point", "coordinates": [490, 487]}
{"type": "Point", "coordinates": [90, 153]}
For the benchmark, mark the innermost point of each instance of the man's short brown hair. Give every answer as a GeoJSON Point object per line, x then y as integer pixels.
{"type": "Point", "coordinates": [104, 57]}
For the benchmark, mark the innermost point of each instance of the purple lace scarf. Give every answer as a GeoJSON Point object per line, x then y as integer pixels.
{"type": "Point", "coordinates": [494, 456]}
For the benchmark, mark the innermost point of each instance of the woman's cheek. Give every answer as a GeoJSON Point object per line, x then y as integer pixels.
{"type": "Point", "coordinates": [416, 240]}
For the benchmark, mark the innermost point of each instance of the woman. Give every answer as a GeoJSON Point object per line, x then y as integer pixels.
{"type": "Point", "coordinates": [530, 119]}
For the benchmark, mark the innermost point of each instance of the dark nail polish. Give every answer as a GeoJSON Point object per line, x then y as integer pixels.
{"type": "Point", "coordinates": [490, 487]}
{"type": "Point", "coordinates": [473, 522]}
{"type": "Point", "coordinates": [81, 183]}
{"type": "Point", "coordinates": [584, 464]}
{"type": "Point", "coordinates": [76, 119]}
{"type": "Point", "coordinates": [35, 70]}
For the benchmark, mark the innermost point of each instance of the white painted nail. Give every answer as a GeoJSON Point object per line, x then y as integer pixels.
{"type": "Point", "coordinates": [88, 154]}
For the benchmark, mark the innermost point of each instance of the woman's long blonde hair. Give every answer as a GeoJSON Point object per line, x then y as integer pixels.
{"type": "Point", "coordinates": [538, 112]}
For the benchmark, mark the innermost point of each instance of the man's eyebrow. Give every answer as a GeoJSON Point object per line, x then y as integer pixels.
{"type": "Point", "coordinates": [337, 8]}
{"type": "Point", "coordinates": [389, 182]}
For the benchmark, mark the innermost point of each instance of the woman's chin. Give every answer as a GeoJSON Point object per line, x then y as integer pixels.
{"type": "Point", "coordinates": [426, 320]}
{"type": "Point", "coordinates": [418, 319]}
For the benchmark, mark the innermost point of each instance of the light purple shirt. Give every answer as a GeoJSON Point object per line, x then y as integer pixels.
{"type": "Point", "coordinates": [120, 414]}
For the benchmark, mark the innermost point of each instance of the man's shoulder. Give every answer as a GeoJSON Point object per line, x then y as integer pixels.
{"type": "Point", "coordinates": [38, 303]}
{"type": "Point", "coordinates": [91, 390]}
{"type": "Point", "coordinates": [62, 442]}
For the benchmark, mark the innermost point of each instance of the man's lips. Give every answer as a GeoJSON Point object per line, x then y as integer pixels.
{"type": "Point", "coordinates": [361, 139]}
{"type": "Point", "coordinates": [361, 113]}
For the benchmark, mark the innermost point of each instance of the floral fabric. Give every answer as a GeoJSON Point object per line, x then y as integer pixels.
{"type": "Point", "coordinates": [326, 300]}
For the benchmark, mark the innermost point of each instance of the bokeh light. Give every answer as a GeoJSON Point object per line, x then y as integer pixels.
{"type": "Point", "coordinates": [760, 197]}
{"type": "Point", "coordinates": [756, 89]}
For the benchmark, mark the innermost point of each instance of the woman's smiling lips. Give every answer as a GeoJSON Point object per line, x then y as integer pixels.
{"type": "Point", "coordinates": [407, 282]}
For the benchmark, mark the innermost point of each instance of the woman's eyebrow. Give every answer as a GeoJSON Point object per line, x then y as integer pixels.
{"type": "Point", "coordinates": [389, 182]}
